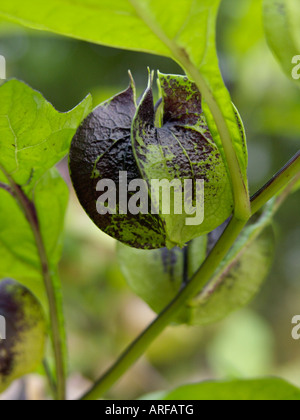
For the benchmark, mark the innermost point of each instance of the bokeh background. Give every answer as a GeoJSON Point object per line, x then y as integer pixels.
{"type": "Point", "coordinates": [102, 314]}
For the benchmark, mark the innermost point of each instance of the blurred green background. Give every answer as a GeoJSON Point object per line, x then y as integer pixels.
{"type": "Point", "coordinates": [103, 316]}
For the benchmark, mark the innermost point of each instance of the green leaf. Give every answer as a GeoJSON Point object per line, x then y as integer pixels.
{"type": "Point", "coordinates": [51, 196]}
{"type": "Point", "coordinates": [184, 31]}
{"type": "Point", "coordinates": [156, 276]}
{"type": "Point", "coordinates": [7, 28]}
{"type": "Point", "coordinates": [269, 389]}
{"type": "Point", "coordinates": [33, 197]}
{"type": "Point", "coordinates": [105, 22]}
{"type": "Point", "coordinates": [282, 26]}
{"type": "Point", "coordinates": [18, 253]}
{"type": "Point", "coordinates": [34, 137]}
{"type": "Point", "coordinates": [235, 283]}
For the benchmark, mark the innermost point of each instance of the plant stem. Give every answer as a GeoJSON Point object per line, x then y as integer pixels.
{"type": "Point", "coordinates": [185, 274]}
{"type": "Point", "coordinates": [197, 283]}
{"type": "Point", "coordinates": [51, 380]}
{"type": "Point", "coordinates": [287, 191]}
{"type": "Point", "coordinates": [240, 191]}
{"type": "Point", "coordinates": [52, 297]}
{"type": "Point", "coordinates": [6, 188]}
{"type": "Point", "coordinates": [276, 184]}
{"type": "Point", "coordinates": [30, 213]}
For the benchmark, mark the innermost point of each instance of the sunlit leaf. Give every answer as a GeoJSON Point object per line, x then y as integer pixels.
{"type": "Point", "coordinates": [34, 136]}
{"type": "Point", "coordinates": [184, 31]}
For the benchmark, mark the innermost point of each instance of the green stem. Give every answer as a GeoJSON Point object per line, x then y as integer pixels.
{"type": "Point", "coordinates": [276, 184]}
{"type": "Point", "coordinates": [197, 283]}
{"type": "Point", "coordinates": [51, 379]}
{"type": "Point", "coordinates": [29, 211]}
{"type": "Point", "coordinates": [286, 192]}
{"type": "Point", "coordinates": [58, 341]}
{"type": "Point", "coordinates": [241, 195]}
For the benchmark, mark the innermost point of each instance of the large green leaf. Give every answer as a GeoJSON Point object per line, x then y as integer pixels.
{"type": "Point", "coordinates": [282, 25]}
{"type": "Point", "coordinates": [106, 22]}
{"type": "Point", "coordinates": [269, 389]}
{"type": "Point", "coordinates": [182, 30]}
